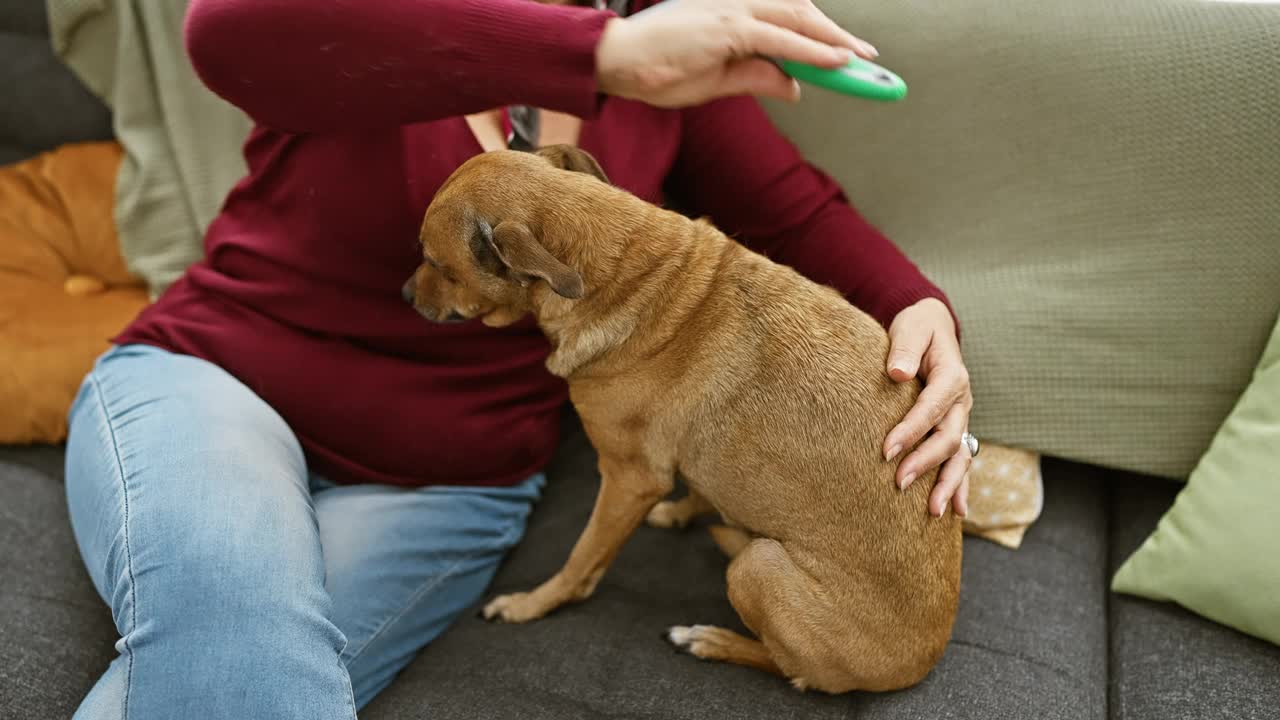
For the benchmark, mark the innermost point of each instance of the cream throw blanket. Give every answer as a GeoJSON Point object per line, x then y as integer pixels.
{"type": "Point", "coordinates": [182, 143]}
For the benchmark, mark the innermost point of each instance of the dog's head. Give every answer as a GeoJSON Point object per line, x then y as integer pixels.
{"type": "Point", "coordinates": [481, 247]}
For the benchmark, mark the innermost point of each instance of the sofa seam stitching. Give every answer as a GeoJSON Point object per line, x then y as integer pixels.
{"type": "Point", "coordinates": [1077, 681]}
{"type": "Point", "coordinates": [1107, 660]}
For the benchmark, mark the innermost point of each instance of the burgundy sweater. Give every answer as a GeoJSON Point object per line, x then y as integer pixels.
{"type": "Point", "coordinates": [358, 109]}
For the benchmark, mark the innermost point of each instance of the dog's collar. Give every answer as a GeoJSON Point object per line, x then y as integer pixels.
{"type": "Point", "coordinates": [525, 122]}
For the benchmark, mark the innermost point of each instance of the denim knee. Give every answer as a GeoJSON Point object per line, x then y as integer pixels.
{"type": "Point", "coordinates": [189, 501]}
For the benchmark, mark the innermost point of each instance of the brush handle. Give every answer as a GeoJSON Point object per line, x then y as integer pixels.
{"type": "Point", "coordinates": [859, 78]}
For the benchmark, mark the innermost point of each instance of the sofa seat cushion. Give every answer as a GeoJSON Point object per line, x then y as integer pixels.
{"type": "Point", "coordinates": [1029, 639]}
{"type": "Point", "coordinates": [57, 633]}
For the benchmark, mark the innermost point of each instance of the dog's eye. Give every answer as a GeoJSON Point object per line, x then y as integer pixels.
{"type": "Point", "coordinates": [431, 262]}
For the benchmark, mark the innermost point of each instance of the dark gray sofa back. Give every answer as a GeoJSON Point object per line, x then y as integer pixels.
{"type": "Point", "coordinates": [42, 104]}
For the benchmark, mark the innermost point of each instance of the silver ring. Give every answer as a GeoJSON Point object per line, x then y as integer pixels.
{"type": "Point", "coordinates": [971, 442]}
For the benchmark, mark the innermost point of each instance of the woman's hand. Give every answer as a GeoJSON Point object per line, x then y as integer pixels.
{"type": "Point", "coordinates": [922, 340]}
{"type": "Point", "coordinates": [687, 52]}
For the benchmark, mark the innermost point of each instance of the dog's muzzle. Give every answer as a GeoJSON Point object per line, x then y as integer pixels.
{"type": "Point", "coordinates": [406, 292]}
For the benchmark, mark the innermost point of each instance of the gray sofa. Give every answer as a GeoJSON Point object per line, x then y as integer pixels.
{"type": "Point", "coordinates": [1038, 633]}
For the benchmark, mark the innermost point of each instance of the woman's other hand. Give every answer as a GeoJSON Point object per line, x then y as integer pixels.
{"type": "Point", "coordinates": [922, 341]}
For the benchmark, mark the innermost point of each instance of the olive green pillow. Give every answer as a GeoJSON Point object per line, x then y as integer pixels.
{"type": "Point", "coordinates": [1214, 551]}
{"type": "Point", "coordinates": [1097, 200]}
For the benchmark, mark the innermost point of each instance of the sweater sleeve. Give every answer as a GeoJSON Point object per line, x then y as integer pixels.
{"type": "Point", "coordinates": [351, 65]}
{"type": "Point", "coordinates": [736, 168]}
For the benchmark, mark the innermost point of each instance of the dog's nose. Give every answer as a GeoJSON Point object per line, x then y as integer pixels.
{"type": "Point", "coordinates": [454, 316]}
{"type": "Point", "coordinates": [406, 292]}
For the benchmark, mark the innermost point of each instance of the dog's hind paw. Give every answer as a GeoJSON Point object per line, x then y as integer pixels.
{"type": "Point", "coordinates": [716, 643]}
{"type": "Point", "coordinates": [698, 640]}
{"type": "Point", "coordinates": [683, 636]}
{"type": "Point", "coordinates": [667, 514]}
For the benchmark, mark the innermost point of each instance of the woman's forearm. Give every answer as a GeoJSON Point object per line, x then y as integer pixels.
{"type": "Point", "coordinates": [350, 65]}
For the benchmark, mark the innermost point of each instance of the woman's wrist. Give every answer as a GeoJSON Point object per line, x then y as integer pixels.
{"type": "Point", "coordinates": [616, 70]}
{"type": "Point", "coordinates": [606, 64]}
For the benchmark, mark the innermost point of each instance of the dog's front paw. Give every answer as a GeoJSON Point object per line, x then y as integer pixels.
{"type": "Point", "coordinates": [514, 608]}
{"type": "Point", "coordinates": [667, 514]}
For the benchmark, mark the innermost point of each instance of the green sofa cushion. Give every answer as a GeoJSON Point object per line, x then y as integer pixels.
{"type": "Point", "coordinates": [1096, 185]}
{"type": "Point", "coordinates": [1214, 550]}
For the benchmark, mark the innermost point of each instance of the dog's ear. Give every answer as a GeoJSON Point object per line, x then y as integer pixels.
{"type": "Point", "coordinates": [517, 249]}
{"type": "Point", "coordinates": [482, 249]}
{"type": "Point", "coordinates": [571, 157]}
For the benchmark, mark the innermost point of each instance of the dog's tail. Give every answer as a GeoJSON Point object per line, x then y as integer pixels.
{"type": "Point", "coordinates": [730, 539]}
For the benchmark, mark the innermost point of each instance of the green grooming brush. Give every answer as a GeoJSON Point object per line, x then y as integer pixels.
{"type": "Point", "coordinates": [859, 78]}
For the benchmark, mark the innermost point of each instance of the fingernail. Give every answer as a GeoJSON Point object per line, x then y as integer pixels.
{"type": "Point", "coordinates": [937, 513]}
{"type": "Point", "coordinates": [964, 511]}
{"type": "Point", "coordinates": [893, 452]}
{"type": "Point", "coordinates": [870, 49]}
{"type": "Point", "coordinates": [906, 481]}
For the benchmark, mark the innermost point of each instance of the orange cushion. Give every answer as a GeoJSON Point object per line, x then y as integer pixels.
{"type": "Point", "coordinates": [64, 289]}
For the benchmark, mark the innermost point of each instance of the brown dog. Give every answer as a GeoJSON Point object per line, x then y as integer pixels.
{"type": "Point", "coordinates": [687, 353]}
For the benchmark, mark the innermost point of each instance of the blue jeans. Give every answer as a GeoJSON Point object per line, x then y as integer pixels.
{"type": "Point", "coordinates": [242, 587]}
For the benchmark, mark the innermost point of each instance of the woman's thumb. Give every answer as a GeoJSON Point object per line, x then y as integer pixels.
{"type": "Point", "coordinates": [907, 345]}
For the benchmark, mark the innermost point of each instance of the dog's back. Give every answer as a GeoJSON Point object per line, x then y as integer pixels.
{"type": "Point", "coordinates": [784, 440]}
